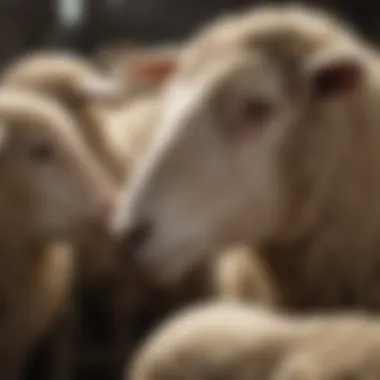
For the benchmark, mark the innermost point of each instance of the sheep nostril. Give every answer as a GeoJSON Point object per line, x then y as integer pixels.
{"type": "Point", "coordinates": [136, 236]}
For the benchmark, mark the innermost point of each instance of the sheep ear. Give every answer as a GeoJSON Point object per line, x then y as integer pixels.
{"type": "Point", "coordinates": [153, 69]}
{"type": "Point", "coordinates": [333, 74]}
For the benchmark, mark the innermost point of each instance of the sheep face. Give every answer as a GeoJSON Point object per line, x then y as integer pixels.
{"type": "Point", "coordinates": [242, 108]}
{"type": "Point", "coordinates": [51, 185]}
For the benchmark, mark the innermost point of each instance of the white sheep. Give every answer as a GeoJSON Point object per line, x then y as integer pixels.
{"type": "Point", "coordinates": [52, 195]}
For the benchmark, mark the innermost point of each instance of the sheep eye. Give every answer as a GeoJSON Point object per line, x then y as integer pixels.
{"type": "Point", "coordinates": [41, 152]}
{"type": "Point", "coordinates": [256, 110]}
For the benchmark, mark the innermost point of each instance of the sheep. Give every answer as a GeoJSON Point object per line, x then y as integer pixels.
{"type": "Point", "coordinates": [224, 340]}
{"type": "Point", "coordinates": [83, 89]}
{"type": "Point", "coordinates": [52, 194]}
{"type": "Point", "coordinates": [268, 135]}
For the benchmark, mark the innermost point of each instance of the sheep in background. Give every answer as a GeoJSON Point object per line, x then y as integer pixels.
{"type": "Point", "coordinates": [51, 191]}
{"type": "Point", "coordinates": [230, 341]}
{"type": "Point", "coordinates": [87, 93]}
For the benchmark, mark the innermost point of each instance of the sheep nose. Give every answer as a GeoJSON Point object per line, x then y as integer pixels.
{"type": "Point", "coordinates": [135, 236]}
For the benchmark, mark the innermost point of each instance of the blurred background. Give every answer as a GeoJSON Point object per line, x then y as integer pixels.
{"type": "Point", "coordinates": [85, 25]}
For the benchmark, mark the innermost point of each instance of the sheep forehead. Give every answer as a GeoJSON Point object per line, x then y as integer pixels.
{"type": "Point", "coordinates": [38, 113]}
{"type": "Point", "coordinates": [47, 68]}
{"type": "Point", "coordinates": [283, 30]}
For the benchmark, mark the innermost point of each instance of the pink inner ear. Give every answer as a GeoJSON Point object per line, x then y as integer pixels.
{"type": "Point", "coordinates": [335, 80]}
{"type": "Point", "coordinates": [155, 71]}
